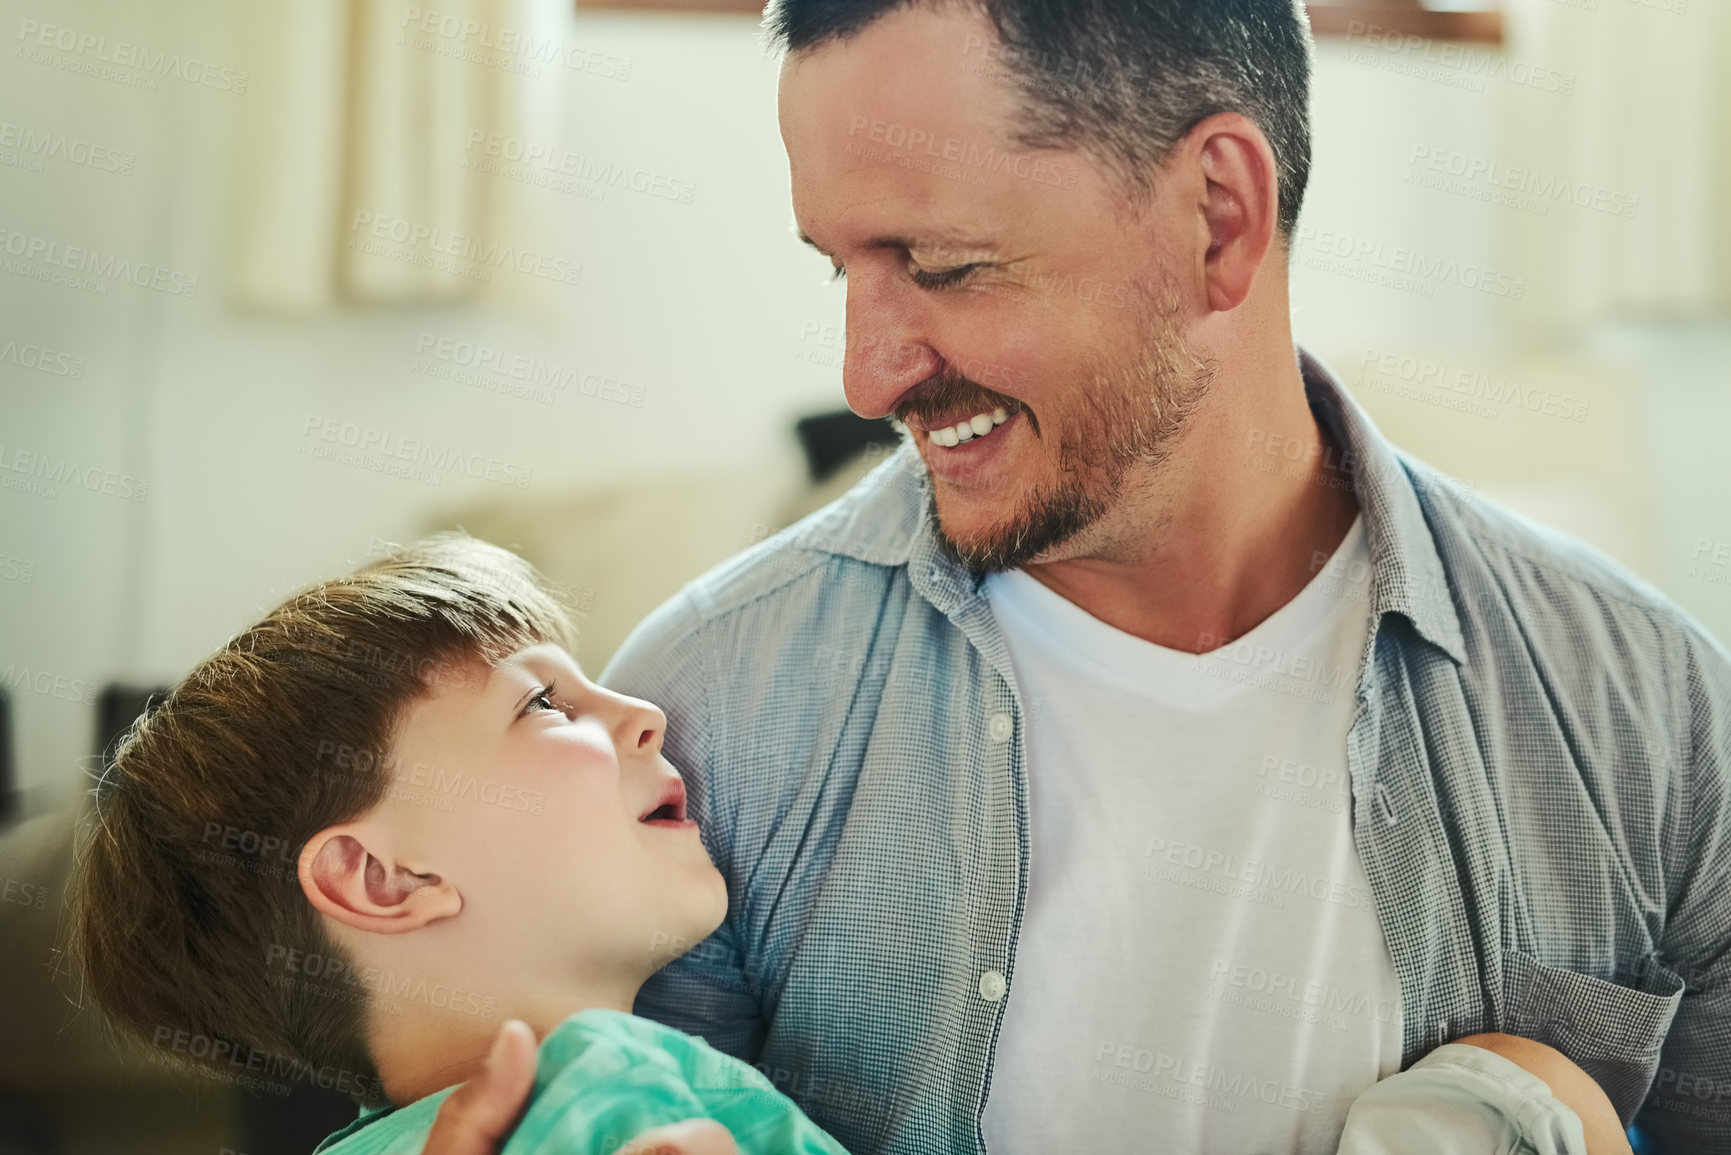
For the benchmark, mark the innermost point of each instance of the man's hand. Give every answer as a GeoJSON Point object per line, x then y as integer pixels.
{"type": "Point", "coordinates": [1571, 1085]}
{"type": "Point", "coordinates": [692, 1137]}
{"type": "Point", "coordinates": [479, 1116]}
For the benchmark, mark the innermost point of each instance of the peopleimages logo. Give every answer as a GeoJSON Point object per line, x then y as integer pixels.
{"type": "Point", "coordinates": [227, 1053]}
{"type": "Point", "coordinates": [1277, 985]}
{"type": "Point", "coordinates": [90, 268]}
{"type": "Point", "coordinates": [1528, 188]}
{"type": "Point", "coordinates": [337, 972]}
{"type": "Point", "coordinates": [45, 145]}
{"type": "Point", "coordinates": [46, 471]}
{"type": "Point", "coordinates": [1458, 64]}
{"type": "Point", "coordinates": [537, 157]}
{"type": "Point", "coordinates": [460, 253]}
{"type": "Point", "coordinates": [1711, 562]}
{"type": "Point", "coordinates": [533, 372]}
{"type": "Point", "coordinates": [87, 46]}
{"type": "Point", "coordinates": [1397, 266]}
{"type": "Point", "coordinates": [25, 894]}
{"type": "Point", "coordinates": [422, 457]}
{"type": "Point", "coordinates": [1039, 169]}
{"type": "Point", "coordinates": [41, 359]}
{"type": "Point", "coordinates": [475, 39]}
{"type": "Point", "coordinates": [1420, 372]}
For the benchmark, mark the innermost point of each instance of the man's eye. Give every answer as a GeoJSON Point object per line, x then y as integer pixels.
{"type": "Point", "coordinates": [839, 274]}
{"type": "Point", "coordinates": [943, 279]}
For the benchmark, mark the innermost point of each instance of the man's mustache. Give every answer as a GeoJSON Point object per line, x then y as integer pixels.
{"type": "Point", "coordinates": [948, 393]}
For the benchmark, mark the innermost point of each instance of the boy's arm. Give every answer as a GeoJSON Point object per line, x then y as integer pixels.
{"type": "Point", "coordinates": [1486, 1093]}
{"type": "Point", "coordinates": [1569, 1084]}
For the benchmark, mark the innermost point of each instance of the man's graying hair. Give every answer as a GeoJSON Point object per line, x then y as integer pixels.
{"type": "Point", "coordinates": [1125, 80]}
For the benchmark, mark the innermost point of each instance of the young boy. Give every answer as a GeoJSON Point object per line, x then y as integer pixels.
{"type": "Point", "coordinates": [394, 813]}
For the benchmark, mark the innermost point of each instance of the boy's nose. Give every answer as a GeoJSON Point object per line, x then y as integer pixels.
{"type": "Point", "coordinates": [640, 727]}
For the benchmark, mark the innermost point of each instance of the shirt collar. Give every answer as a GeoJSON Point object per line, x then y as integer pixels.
{"type": "Point", "coordinates": [1407, 575]}
{"type": "Point", "coordinates": [885, 520]}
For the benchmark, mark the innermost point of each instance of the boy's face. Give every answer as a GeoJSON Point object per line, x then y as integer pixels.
{"type": "Point", "coordinates": [544, 800]}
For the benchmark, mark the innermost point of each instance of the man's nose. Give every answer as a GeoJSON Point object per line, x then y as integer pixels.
{"type": "Point", "coordinates": [887, 353]}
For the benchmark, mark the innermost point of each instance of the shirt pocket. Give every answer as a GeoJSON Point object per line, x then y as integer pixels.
{"type": "Point", "coordinates": [1612, 1030]}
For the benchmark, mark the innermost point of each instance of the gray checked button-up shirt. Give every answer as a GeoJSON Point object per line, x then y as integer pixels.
{"type": "Point", "coordinates": [1541, 787]}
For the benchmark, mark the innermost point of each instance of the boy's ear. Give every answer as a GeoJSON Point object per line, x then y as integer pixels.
{"type": "Point", "coordinates": [348, 873]}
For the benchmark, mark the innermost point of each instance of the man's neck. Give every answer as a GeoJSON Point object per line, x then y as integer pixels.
{"type": "Point", "coordinates": [1222, 533]}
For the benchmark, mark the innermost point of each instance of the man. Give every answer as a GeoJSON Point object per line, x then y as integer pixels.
{"type": "Point", "coordinates": [1148, 756]}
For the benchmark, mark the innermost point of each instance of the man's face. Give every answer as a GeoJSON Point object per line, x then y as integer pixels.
{"type": "Point", "coordinates": [1005, 304]}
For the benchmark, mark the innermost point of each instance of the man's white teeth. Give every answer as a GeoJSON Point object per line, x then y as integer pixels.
{"type": "Point", "coordinates": [978, 425]}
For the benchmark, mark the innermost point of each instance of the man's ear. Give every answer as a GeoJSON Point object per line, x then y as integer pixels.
{"type": "Point", "coordinates": [1240, 202]}
{"type": "Point", "coordinates": [349, 873]}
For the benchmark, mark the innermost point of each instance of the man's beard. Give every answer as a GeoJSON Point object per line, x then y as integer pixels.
{"type": "Point", "coordinates": [1131, 415]}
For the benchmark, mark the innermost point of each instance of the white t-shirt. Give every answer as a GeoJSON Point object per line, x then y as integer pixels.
{"type": "Point", "coordinates": [1200, 965]}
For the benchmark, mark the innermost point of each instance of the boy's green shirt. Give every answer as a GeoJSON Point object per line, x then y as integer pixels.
{"type": "Point", "coordinates": [602, 1078]}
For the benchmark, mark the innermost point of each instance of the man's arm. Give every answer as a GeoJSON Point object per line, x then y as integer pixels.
{"type": "Point", "coordinates": [1689, 1108]}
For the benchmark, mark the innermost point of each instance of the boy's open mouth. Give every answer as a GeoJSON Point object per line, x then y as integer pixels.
{"type": "Point", "coordinates": [668, 806]}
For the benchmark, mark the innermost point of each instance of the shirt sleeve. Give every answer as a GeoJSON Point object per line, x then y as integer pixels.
{"type": "Point", "coordinates": [1689, 1106]}
{"type": "Point", "coordinates": [1462, 1100]}
{"type": "Point", "coordinates": [708, 989]}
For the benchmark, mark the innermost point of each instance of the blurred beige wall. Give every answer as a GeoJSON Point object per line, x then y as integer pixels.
{"type": "Point", "coordinates": [698, 328]}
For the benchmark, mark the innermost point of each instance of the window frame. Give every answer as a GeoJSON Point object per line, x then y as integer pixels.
{"type": "Point", "coordinates": [1348, 18]}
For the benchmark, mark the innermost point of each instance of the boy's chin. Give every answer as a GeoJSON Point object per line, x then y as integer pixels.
{"type": "Point", "coordinates": [714, 907]}
{"type": "Point", "coordinates": [708, 906]}
{"type": "Point", "coordinates": [694, 912]}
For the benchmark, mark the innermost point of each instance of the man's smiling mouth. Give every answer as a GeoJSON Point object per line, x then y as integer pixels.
{"type": "Point", "coordinates": [979, 425]}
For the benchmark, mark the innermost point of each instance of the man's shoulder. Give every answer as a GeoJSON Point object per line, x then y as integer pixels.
{"type": "Point", "coordinates": [1561, 587]}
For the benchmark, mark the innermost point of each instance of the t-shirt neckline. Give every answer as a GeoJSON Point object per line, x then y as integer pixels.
{"type": "Point", "coordinates": [1022, 602]}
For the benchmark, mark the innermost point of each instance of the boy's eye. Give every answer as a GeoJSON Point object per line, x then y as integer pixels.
{"type": "Point", "coordinates": [542, 700]}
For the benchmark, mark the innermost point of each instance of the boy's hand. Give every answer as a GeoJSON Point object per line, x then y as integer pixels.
{"type": "Point", "coordinates": [479, 1116]}
{"type": "Point", "coordinates": [1571, 1085]}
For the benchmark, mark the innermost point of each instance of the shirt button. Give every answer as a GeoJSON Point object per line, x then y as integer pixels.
{"type": "Point", "coordinates": [1385, 802]}
{"type": "Point", "coordinates": [999, 728]}
{"type": "Point", "coordinates": [992, 986]}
